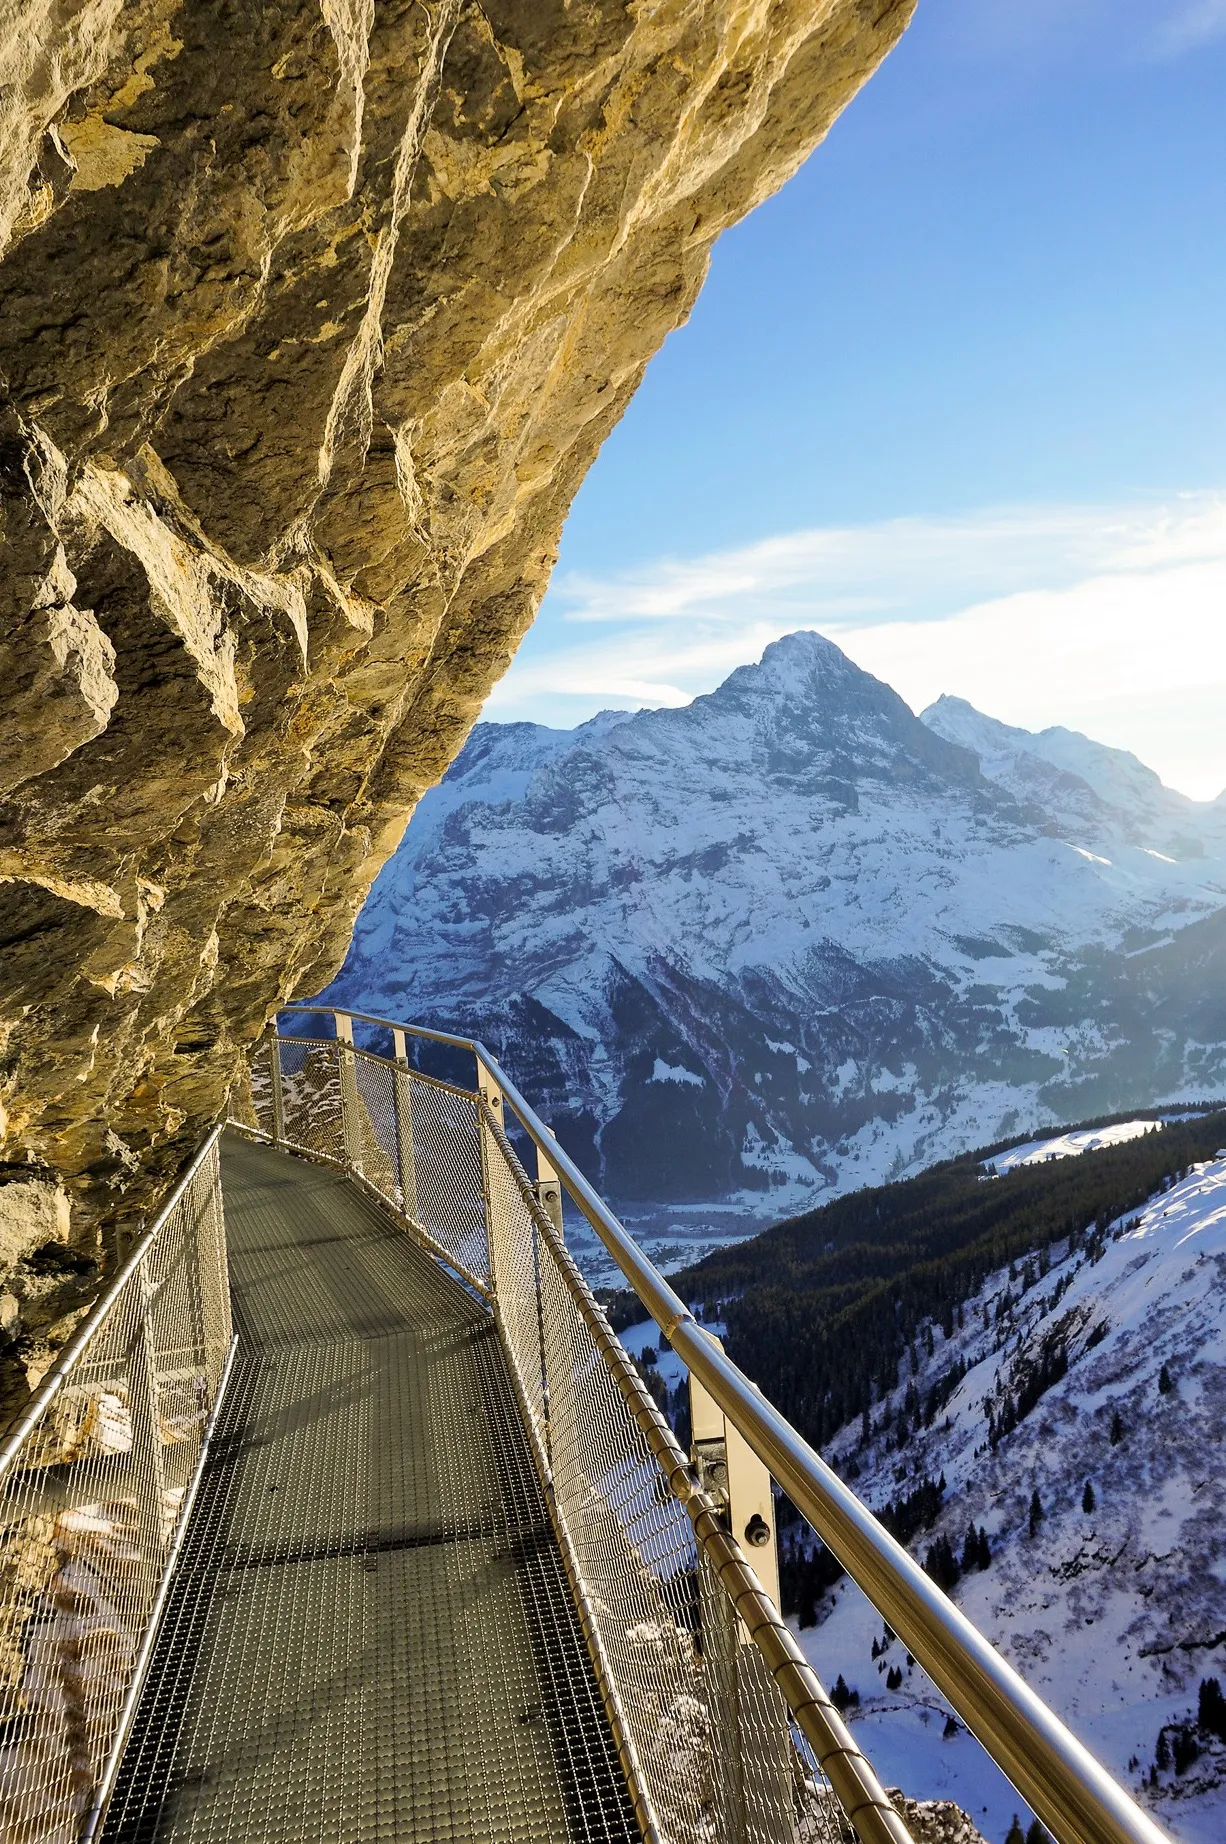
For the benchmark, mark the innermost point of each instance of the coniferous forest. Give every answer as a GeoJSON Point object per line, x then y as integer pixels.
{"type": "Point", "coordinates": [821, 1308]}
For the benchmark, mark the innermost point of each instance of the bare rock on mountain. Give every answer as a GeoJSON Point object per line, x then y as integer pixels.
{"type": "Point", "coordinates": [936, 1821]}
{"type": "Point", "coordinates": [312, 318]}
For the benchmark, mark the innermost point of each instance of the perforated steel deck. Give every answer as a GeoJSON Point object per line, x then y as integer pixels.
{"type": "Point", "coordinates": [369, 1635]}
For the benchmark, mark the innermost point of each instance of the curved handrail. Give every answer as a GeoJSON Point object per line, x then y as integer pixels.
{"type": "Point", "coordinates": [1059, 1778]}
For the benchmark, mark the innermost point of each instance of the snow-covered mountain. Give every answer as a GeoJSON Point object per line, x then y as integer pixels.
{"type": "Point", "coordinates": [792, 938]}
{"type": "Point", "coordinates": [1095, 1377]}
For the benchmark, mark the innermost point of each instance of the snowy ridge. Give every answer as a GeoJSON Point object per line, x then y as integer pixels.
{"type": "Point", "coordinates": [1114, 1609]}
{"type": "Point", "coordinates": [1069, 1145]}
{"type": "Point", "coordinates": [871, 941]}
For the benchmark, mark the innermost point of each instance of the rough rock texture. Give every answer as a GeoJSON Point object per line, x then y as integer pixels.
{"type": "Point", "coordinates": [936, 1821]}
{"type": "Point", "coordinates": [313, 315]}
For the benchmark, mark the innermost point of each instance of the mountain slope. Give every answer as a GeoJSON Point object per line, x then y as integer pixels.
{"type": "Point", "coordinates": [790, 938]}
{"type": "Point", "coordinates": [1111, 1601]}
{"type": "Point", "coordinates": [1080, 783]}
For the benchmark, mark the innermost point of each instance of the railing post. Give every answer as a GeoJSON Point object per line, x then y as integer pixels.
{"type": "Point", "coordinates": [405, 1162]}
{"type": "Point", "coordinates": [351, 1101]}
{"type": "Point", "coordinates": [145, 1410]}
{"type": "Point", "coordinates": [548, 1187]}
{"type": "Point", "coordinates": [278, 1095]}
{"type": "Point", "coordinates": [497, 1226]}
{"type": "Point", "coordinates": [754, 1759]}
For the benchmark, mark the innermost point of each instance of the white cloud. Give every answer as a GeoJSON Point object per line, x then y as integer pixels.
{"type": "Point", "coordinates": [1108, 619]}
{"type": "Point", "coordinates": [1195, 23]}
{"type": "Point", "coordinates": [1048, 32]}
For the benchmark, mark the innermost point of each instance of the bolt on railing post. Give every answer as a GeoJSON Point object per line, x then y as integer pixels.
{"type": "Point", "coordinates": [754, 1763]}
{"type": "Point", "coordinates": [405, 1161]}
{"type": "Point", "coordinates": [278, 1093]}
{"type": "Point", "coordinates": [351, 1124]}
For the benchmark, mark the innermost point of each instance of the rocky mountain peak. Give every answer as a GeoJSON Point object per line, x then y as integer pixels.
{"type": "Point", "coordinates": [1105, 792]}
{"type": "Point", "coordinates": [789, 938]}
{"type": "Point", "coordinates": [805, 717]}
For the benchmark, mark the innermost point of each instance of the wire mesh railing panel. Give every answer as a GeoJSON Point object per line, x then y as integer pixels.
{"type": "Point", "coordinates": [312, 1107]}
{"type": "Point", "coordinates": [93, 1488]}
{"type": "Point", "coordinates": [372, 1122]}
{"type": "Point", "coordinates": [767, 1782]}
{"type": "Point", "coordinates": [447, 1169]}
{"type": "Point", "coordinates": [634, 1550]}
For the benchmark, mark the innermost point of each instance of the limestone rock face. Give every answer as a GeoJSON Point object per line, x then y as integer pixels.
{"type": "Point", "coordinates": [313, 314]}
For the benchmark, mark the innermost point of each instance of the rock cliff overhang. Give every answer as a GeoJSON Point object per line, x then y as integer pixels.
{"type": "Point", "coordinates": [312, 317]}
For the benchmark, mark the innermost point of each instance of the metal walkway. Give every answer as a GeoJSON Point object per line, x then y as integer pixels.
{"type": "Point", "coordinates": [369, 1636]}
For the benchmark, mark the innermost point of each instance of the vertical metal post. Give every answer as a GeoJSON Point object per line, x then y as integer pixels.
{"type": "Point", "coordinates": [144, 1408]}
{"type": "Point", "coordinates": [497, 1227]}
{"type": "Point", "coordinates": [406, 1164]}
{"type": "Point", "coordinates": [753, 1745]}
{"type": "Point", "coordinates": [548, 1188]}
{"type": "Point", "coordinates": [278, 1095]}
{"type": "Point", "coordinates": [351, 1101]}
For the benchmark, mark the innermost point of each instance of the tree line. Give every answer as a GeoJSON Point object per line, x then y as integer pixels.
{"type": "Point", "coordinates": [822, 1309]}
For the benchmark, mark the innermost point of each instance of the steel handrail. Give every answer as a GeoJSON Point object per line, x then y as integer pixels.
{"type": "Point", "coordinates": [1074, 1796]}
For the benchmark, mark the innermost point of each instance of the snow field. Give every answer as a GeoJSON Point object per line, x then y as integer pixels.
{"type": "Point", "coordinates": [1113, 1615]}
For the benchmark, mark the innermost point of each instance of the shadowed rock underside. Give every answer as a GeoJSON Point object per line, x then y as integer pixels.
{"type": "Point", "coordinates": [313, 314]}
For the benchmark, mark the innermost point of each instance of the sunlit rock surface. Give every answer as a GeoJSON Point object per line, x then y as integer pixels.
{"type": "Point", "coordinates": [312, 317]}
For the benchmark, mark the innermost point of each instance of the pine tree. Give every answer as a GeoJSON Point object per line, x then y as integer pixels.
{"type": "Point", "coordinates": [1185, 1748]}
{"type": "Point", "coordinates": [984, 1557]}
{"type": "Point", "coordinates": [1165, 1381]}
{"type": "Point", "coordinates": [1211, 1709]}
{"type": "Point", "coordinates": [942, 1564]}
{"type": "Point", "coordinates": [1037, 1513]}
{"type": "Point", "coordinates": [1088, 1500]}
{"type": "Point", "coordinates": [1015, 1834]}
{"type": "Point", "coordinates": [1117, 1428]}
{"type": "Point", "coordinates": [1037, 1834]}
{"type": "Point", "coordinates": [1162, 1753]}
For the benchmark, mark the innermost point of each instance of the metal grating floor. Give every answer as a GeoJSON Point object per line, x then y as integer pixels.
{"type": "Point", "coordinates": [369, 1635]}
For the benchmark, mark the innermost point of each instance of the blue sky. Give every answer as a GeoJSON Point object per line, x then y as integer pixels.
{"type": "Point", "coordinates": [956, 396]}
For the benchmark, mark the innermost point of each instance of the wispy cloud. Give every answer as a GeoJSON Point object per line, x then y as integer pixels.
{"type": "Point", "coordinates": [1049, 31]}
{"type": "Point", "coordinates": [1108, 619]}
{"type": "Point", "coordinates": [1192, 24]}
